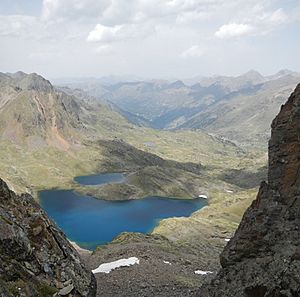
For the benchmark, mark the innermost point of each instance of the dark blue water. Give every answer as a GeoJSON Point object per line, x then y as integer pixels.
{"type": "Point", "coordinates": [91, 222]}
{"type": "Point", "coordinates": [99, 179]}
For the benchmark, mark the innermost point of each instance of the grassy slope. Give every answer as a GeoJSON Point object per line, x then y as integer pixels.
{"type": "Point", "coordinates": [50, 167]}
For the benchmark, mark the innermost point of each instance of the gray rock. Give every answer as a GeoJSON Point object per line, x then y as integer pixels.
{"type": "Point", "coordinates": [66, 290]}
{"type": "Point", "coordinates": [35, 253]}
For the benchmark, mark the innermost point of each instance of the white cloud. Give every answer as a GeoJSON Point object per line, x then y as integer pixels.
{"type": "Point", "coordinates": [194, 51]}
{"type": "Point", "coordinates": [258, 22]}
{"type": "Point", "coordinates": [234, 30]}
{"type": "Point", "coordinates": [145, 36]}
{"type": "Point", "coordinates": [117, 12]}
{"type": "Point", "coordinates": [105, 34]}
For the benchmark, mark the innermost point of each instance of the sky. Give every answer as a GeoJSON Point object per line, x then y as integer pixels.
{"type": "Point", "coordinates": [149, 38]}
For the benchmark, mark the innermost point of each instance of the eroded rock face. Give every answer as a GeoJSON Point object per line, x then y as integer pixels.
{"type": "Point", "coordinates": [263, 258]}
{"type": "Point", "coordinates": [35, 257]}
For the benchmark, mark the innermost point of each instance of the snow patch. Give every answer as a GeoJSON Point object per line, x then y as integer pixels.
{"type": "Point", "coordinates": [167, 262]}
{"type": "Point", "coordinates": [227, 239]}
{"type": "Point", "coordinates": [108, 267]}
{"type": "Point", "coordinates": [202, 196]}
{"type": "Point", "coordinates": [229, 191]}
{"type": "Point", "coordinates": [201, 272]}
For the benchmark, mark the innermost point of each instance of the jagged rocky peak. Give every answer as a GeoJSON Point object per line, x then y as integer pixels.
{"type": "Point", "coordinates": [263, 257]}
{"type": "Point", "coordinates": [177, 84]}
{"type": "Point", "coordinates": [35, 82]}
{"type": "Point", "coordinates": [36, 259]}
{"type": "Point", "coordinates": [253, 75]}
{"type": "Point", "coordinates": [17, 75]}
{"type": "Point", "coordinates": [26, 81]}
{"type": "Point", "coordinates": [284, 72]}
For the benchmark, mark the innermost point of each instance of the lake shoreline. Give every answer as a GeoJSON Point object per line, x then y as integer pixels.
{"type": "Point", "coordinates": [96, 222]}
{"type": "Point", "coordinates": [81, 251]}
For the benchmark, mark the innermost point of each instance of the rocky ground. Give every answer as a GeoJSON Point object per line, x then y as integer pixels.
{"type": "Point", "coordinates": [164, 269]}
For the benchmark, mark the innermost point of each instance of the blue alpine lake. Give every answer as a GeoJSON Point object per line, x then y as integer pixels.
{"type": "Point", "coordinates": [91, 222]}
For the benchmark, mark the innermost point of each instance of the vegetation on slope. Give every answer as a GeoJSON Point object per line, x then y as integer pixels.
{"type": "Point", "coordinates": [48, 137]}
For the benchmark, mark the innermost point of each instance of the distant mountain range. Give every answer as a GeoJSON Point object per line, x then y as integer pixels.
{"type": "Point", "coordinates": [239, 108]}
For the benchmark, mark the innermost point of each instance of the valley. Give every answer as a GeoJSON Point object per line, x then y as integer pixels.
{"type": "Point", "coordinates": [51, 135]}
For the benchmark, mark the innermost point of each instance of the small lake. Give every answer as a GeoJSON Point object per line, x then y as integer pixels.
{"type": "Point", "coordinates": [92, 222]}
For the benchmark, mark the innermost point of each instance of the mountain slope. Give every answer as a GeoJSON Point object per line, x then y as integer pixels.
{"type": "Point", "coordinates": [245, 116]}
{"type": "Point", "coordinates": [243, 81]}
{"type": "Point", "coordinates": [262, 259]}
{"type": "Point", "coordinates": [32, 108]}
{"type": "Point", "coordinates": [36, 259]}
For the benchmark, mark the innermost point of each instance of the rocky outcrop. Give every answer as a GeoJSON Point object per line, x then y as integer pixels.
{"type": "Point", "coordinates": [35, 257]}
{"type": "Point", "coordinates": [263, 257]}
{"type": "Point", "coordinates": [27, 82]}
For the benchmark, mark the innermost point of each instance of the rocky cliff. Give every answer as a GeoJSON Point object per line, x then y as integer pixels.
{"type": "Point", "coordinates": [263, 257]}
{"type": "Point", "coordinates": [35, 257]}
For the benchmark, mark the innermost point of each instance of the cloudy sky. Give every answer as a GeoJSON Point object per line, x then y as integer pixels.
{"type": "Point", "coordinates": [149, 38]}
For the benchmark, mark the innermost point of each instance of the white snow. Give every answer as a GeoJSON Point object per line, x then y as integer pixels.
{"type": "Point", "coordinates": [202, 196]}
{"type": "Point", "coordinates": [167, 262]}
{"type": "Point", "coordinates": [108, 267]}
{"type": "Point", "coordinates": [201, 272]}
{"type": "Point", "coordinates": [229, 191]}
{"type": "Point", "coordinates": [227, 239]}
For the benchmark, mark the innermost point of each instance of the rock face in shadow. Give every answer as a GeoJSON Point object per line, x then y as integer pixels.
{"type": "Point", "coordinates": [35, 257]}
{"type": "Point", "coordinates": [263, 257]}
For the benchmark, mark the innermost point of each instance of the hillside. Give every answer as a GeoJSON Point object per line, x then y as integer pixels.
{"type": "Point", "coordinates": [245, 116]}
